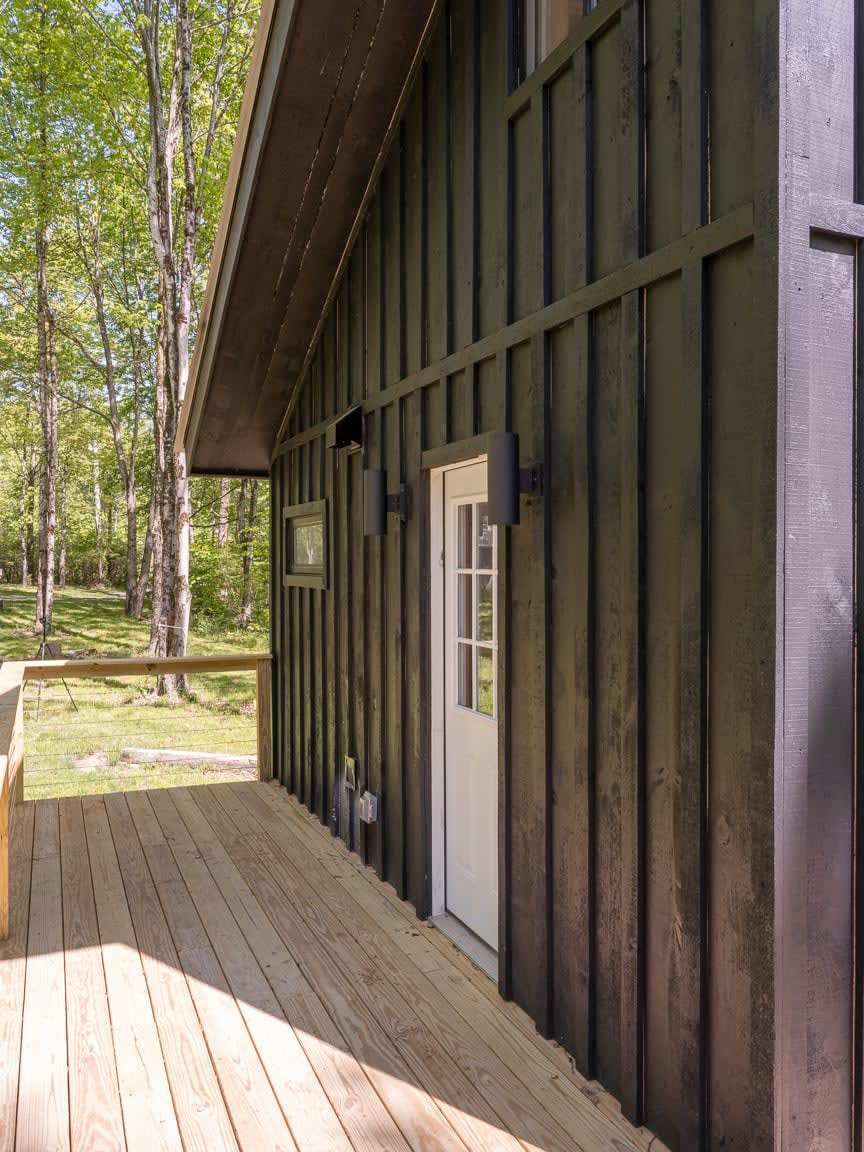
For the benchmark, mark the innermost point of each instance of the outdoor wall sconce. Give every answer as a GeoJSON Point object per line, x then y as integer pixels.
{"type": "Point", "coordinates": [377, 503]}
{"type": "Point", "coordinates": [347, 430]}
{"type": "Point", "coordinates": [506, 480]}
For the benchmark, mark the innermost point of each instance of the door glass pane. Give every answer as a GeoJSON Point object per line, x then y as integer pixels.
{"type": "Point", "coordinates": [485, 538]}
{"type": "Point", "coordinates": [463, 532]}
{"type": "Point", "coordinates": [485, 608]}
{"type": "Point", "coordinates": [464, 613]}
{"type": "Point", "coordinates": [464, 678]}
{"type": "Point", "coordinates": [486, 681]}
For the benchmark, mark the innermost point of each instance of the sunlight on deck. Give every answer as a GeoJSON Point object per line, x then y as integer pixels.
{"type": "Point", "coordinates": [207, 968]}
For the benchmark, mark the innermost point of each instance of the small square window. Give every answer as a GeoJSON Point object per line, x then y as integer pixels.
{"type": "Point", "coordinates": [543, 25]}
{"type": "Point", "coordinates": [305, 542]}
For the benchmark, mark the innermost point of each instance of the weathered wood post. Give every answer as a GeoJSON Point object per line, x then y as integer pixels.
{"type": "Point", "coordinates": [264, 719]}
{"type": "Point", "coordinates": [11, 774]}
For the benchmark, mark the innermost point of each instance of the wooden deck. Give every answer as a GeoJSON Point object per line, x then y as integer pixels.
{"type": "Point", "coordinates": [207, 969]}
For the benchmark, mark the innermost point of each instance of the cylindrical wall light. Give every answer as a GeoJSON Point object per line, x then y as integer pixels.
{"type": "Point", "coordinates": [374, 502]}
{"type": "Point", "coordinates": [377, 504]}
{"type": "Point", "coordinates": [503, 478]}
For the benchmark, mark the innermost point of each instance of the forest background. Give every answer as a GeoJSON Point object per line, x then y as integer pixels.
{"type": "Point", "coordinates": [117, 119]}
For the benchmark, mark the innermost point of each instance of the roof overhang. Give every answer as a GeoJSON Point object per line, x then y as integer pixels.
{"type": "Point", "coordinates": [325, 85]}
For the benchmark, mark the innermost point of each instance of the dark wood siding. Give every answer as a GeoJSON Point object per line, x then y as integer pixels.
{"type": "Point", "coordinates": [567, 261]}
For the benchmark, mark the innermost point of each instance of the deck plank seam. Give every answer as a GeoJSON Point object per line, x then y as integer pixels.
{"type": "Point", "coordinates": [410, 1075]}
{"type": "Point", "coordinates": [216, 953]}
{"type": "Point", "coordinates": [395, 982]}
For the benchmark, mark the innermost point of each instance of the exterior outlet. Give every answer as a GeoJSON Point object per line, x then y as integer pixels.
{"type": "Point", "coordinates": [368, 808]}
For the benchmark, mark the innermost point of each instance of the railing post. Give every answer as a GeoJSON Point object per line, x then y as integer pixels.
{"type": "Point", "coordinates": [11, 777]}
{"type": "Point", "coordinates": [264, 720]}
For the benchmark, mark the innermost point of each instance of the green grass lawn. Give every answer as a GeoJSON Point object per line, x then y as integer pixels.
{"type": "Point", "coordinates": [78, 749]}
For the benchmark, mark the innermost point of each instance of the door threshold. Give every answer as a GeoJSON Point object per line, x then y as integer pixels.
{"type": "Point", "coordinates": [472, 946]}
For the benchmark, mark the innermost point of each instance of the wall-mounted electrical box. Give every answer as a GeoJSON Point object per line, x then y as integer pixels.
{"type": "Point", "coordinates": [367, 808]}
{"type": "Point", "coordinates": [350, 773]}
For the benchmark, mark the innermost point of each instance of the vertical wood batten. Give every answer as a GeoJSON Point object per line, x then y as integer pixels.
{"type": "Point", "coordinates": [375, 835]}
{"type": "Point", "coordinates": [505, 741]}
{"type": "Point", "coordinates": [473, 181]}
{"type": "Point", "coordinates": [543, 440]}
{"type": "Point", "coordinates": [632, 334]}
{"type": "Point", "coordinates": [296, 650]}
{"type": "Point", "coordinates": [410, 342]}
{"type": "Point", "coordinates": [394, 755]}
{"type": "Point", "coordinates": [306, 640]}
{"type": "Point", "coordinates": [322, 661]}
{"type": "Point", "coordinates": [592, 846]}
{"type": "Point", "coordinates": [692, 816]}
{"type": "Point", "coordinates": [448, 256]}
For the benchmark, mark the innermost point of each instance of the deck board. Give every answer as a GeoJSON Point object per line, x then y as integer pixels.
{"type": "Point", "coordinates": [207, 968]}
{"type": "Point", "coordinates": [13, 967]}
{"type": "Point", "coordinates": [201, 1112]}
{"type": "Point", "coordinates": [43, 1091]}
{"type": "Point", "coordinates": [348, 1087]}
{"type": "Point", "coordinates": [148, 1110]}
{"type": "Point", "coordinates": [96, 1118]}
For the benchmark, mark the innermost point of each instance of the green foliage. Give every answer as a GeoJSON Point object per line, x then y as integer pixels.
{"type": "Point", "coordinates": [217, 572]}
{"type": "Point", "coordinates": [74, 153]}
{"type": "Point", "coordinates": [77, 749]}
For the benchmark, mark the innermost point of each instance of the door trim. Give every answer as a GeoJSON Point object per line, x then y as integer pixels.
{"type": "Point", "coordinates": [437, 681]}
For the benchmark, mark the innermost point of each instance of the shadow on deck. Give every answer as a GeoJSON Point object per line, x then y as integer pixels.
{"type": "Point", "coordinates": [207, 969]}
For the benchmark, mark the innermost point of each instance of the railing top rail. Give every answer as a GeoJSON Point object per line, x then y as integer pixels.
{"type": "Point", "coordinates": [140, 666]}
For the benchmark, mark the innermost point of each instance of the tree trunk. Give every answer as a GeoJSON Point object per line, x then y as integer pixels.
{"type": "Point", "coordinates": [224, 510]}
{"type": "Point", "coordinates": [22, 521]}
{"type": "Point", "coordinates": [131, 546]}
{"type": "Point", "coordinates": [241, 511]}
{"type": "Point", "coordinates": [248, 556]}
{"type": "Point", "coordinates": [48, 418]}
{"type": "Point", "coordinates": [97, 514]}
{"type": "Point", "coordinates": [61, 559]}
{"type": "Point", "coordinates": [171, 126]}
{"type": "Point", "coordinates": [91, 251]}
{"type": "Point", "coordinates": [31, 514]}
{"type": "Point", "coordinates": [146, 561]}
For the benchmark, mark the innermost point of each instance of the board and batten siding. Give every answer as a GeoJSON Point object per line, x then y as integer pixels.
{"type": "Point", "coordinates": [589, 260]}
{"type": "Point", "coordinates": [820, 839]}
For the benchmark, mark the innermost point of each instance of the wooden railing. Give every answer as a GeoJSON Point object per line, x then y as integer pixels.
{"type": "Point", "coordinates": [14, 675]}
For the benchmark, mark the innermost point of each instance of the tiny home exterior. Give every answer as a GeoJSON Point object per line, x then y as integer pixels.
{"type": "Point", "coordinates": [611, 747]}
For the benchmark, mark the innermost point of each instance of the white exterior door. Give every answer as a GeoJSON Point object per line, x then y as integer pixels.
{"type": "Point", "coordinates": [470, 703]}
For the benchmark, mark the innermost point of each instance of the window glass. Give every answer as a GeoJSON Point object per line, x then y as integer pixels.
{"type": "Point", "coordinates": [485, 557]}
{"type": "Point", "coordinates": [463, 532]}
{"type": "Point", "coordinates": [474, 606]}
{"type": "Point", "coordinates": [464, 630]}
{"type": "Point", "coordinates": [308, 544]}
{"type": "Point", "coordinates": [464, 654]}
{"type": "Point", "coordinates": [485, 681]}
{"type": "Point", "coordinates": [545, 24]}
{"type": "Point", "coordinates": [485, 607]}
{"type": "Point", "coordinates": [305, 541]}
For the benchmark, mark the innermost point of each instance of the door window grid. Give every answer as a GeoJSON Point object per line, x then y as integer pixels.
{"type": "Point", "coordinates": [475, 605]}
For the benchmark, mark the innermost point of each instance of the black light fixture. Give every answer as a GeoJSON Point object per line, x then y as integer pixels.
{"type": "Point", "coordinates": [506, 480]}
{"type": "Point", "coordinates": [377, 503]}
{"type": "Point", "coordinates": [346, 431]}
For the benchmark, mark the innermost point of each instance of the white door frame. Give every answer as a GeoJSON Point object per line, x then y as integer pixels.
{"type": "Point", "coordinates": [437, 575]}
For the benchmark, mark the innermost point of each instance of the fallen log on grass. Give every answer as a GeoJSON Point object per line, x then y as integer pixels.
{"type": "Point", "coordinates": [186, 756]}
